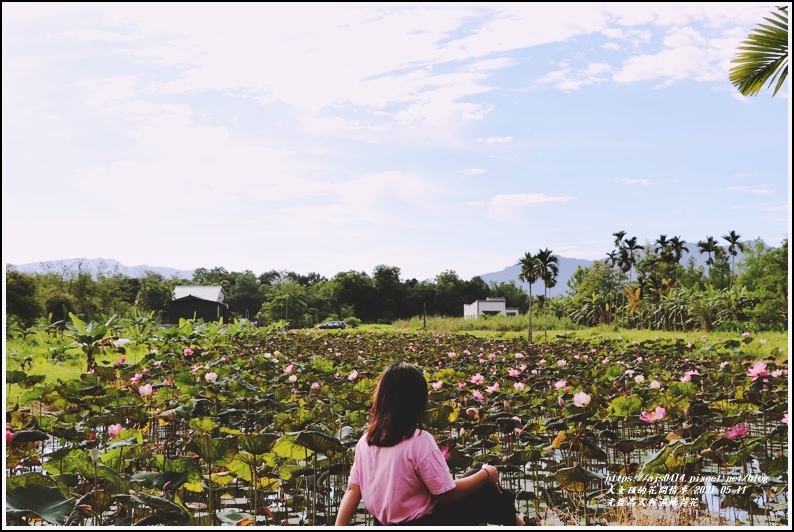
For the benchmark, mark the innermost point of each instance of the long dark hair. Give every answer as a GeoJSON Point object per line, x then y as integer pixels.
{"type": "Point", "coordinates": [399, 405]}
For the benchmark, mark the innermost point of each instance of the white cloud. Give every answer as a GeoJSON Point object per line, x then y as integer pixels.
{"type": "Point", "coordinates": [473, 171]}
{"type": "Point", "coordinates": [758, 190]}
{"type": "Point", "coordinates": [505, 206]}
{"type": "Point", "coordinates": [629, 181]}
{"type": "Point", "coordinates": [495, 140]}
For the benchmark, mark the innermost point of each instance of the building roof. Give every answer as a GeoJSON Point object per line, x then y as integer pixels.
{"type": "Point", "coordinates": [208, 293]}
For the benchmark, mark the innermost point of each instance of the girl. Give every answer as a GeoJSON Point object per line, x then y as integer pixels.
{"type": "Point", "coordinates": [401, 474]}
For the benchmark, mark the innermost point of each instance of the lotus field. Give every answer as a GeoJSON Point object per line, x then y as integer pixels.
{"type": "Point", "coordinates": [235, 425]}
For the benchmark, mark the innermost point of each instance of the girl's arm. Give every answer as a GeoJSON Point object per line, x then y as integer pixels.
{"type": "Point", "coordinates": [349, 505]}
{"type": "Point", "coordinates": [465, 486]}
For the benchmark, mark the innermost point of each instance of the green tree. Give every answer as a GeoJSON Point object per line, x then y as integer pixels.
{"type": "Point", "coordinates": [246, 297]}
{"type": "Point", "coordinates": [531, 271]}
{"type": "Point", "coordinates": [550, 269]}
{"type": "Point", "coordinates": [155, 294]}
{"type": "Point", "coordinates": [734, 247]}
{"type": "Point", "coordinates": [710, 247]}
{"type": "Point", "coordinates": [764, 273]}
{"type": "Point", "coordinates": [21, 299]}
{"type": "Point", "coordinates": [763, 56]}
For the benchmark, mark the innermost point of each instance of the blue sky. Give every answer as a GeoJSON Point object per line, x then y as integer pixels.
{"type": "Point", "coordinates": [327, 137]}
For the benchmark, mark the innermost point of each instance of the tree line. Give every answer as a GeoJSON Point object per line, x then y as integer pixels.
{"type": "Point", "coordinates": [635, 286]}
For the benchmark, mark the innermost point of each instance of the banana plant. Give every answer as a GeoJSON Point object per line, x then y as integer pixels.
{"type": "Point", "coordinates": [93, 337]}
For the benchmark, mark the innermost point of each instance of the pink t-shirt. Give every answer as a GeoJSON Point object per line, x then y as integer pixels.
{"type": "Point", "coordinates": [399, 483]}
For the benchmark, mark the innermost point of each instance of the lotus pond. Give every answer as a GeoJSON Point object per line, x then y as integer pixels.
{"type": "Point", "coordinates": [258, 428]}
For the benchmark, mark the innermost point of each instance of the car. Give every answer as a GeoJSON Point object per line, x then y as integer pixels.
{"type": "Point", "coordinates": [336, 324]}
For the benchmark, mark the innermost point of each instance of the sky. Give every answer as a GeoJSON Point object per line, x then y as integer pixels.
{"type": "Point", "coordinates": [330, 137]}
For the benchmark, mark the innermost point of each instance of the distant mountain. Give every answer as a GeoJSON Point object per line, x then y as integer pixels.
{"type": "Point", "coordinates": [107, 267]}
{"type": "Point", "coordinates": [567, 268]}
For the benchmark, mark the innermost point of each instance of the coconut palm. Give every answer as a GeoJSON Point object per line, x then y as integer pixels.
{"type": "Point", "coordinates": [677, 248]}
{"type": "Point", "coordinates": [531, 271]}
{"type": "Point", "coordinates": [709, 246]}
{"type": "Point", "coordinates": [550, 269]}
{"type": "Point", "coordinates": [734, 247]}
{"type": "Point", "coordinates": [763, 56]}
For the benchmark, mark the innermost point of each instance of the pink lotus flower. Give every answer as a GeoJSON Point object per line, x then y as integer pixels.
{"type": "Point", "coordinates": [167, 382]}
{"type": "Point", "coordinates": [737, 430]}
{"type": "Point", "coordinates": [561, 362]}
{"type": "Point", "coordinates": [437, 385]}
{"type": "Point", "coordinates": [518, 386]}
{"type": "Point", "coordinates": [289, 368]}
{"type": "Point", "coordinates": [758, 370]}
{"type": "Point", "coordinates": [784, 419]}
{"type": "Point", "coordinates": [652, 416]}
{"type": "Point", "coordinates": [560, 401]}
{"type": "Point", "coordinates": [477, 395]}
{"type": "Point", "coordinates": [491, 356]}
{"type": "Point", "coordinates": [492, 389]}
{"type": "Point", "coordinates": [476, 379]}
{"type": "Point", "coordinates": [724, 363]}
{"type": "Point", "coordinates": [542, 361]}
{"type": "Point", "coordinates": [315, 385]}
{"type": "Point", "coordinates": [461, 385]}
{"type": "Point", "coordinates": [513, 372]}
{"type": "Point", "coordinates": [211, 377]}
{"type": "Point", "coordinates": [145, 390]}
{"type": "Point", "coordinates": [187, 352]}
{"type": "Point", "coordinates": [9, 437]}
{"type": "Point", "coordinates": [639, 379]}
{"type": "Point", "coordinates": [655, 385]}
{"type": "Point", "coordinates": [745, 334]}
{"type": "Point", "coordinates": [121, 361]}
{"type": "Point", "coordinates": [157, 363]}
{"type": "Point", "coordinates": [472, 412]}
{"type": "Point", "coordinates": [559, 384]}
{"type": "Point", "coordinates": [762, 342]}
{"type": "Point", "coordinates": [292, 378]}
{"type": "Point", "coordinates": [581, 399]}
{"type": "Point", "coordinates": [353, 375]}
{"type": "Point", "coordinates": [136, 379]}
{"type": "Point", "coordinates": [519, 355]}
{"type": "Point", "coordinates": [114, 430]}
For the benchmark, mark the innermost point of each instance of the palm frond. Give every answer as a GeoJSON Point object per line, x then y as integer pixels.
{"type": "Point", "coordinates": [763, 56]}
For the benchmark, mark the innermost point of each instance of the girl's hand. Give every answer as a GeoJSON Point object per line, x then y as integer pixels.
{"type": "Point", "coordinates": [493, 476]}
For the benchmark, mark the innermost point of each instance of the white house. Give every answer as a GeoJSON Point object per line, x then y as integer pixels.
{"type": "Point", "coordinates": [490, 306]}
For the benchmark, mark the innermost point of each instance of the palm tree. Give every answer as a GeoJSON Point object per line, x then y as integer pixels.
{"type": "Point", "coordinates": [677, 248]}
{"type": "Point", "coordinates": [619, 237]}
{"type": "Point", "coordinates": [631, 247]}
{"type": "Point", "coordinates": [763, 56]}
{"type": "Point", "coordinates": [550, 269]}
{"type": "Point", "coordinates": [734, 247]}
{"type": "Point", "coordinates": [709, 246]}
{"type": "Point", "coordinates": [531, 271]}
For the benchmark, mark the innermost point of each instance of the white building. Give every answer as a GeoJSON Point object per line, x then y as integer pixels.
{"type": "Point", "coordinates": [490, 306]}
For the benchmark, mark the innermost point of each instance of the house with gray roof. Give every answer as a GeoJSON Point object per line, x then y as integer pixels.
{"type": "Point", "coordinates": [198, 302]}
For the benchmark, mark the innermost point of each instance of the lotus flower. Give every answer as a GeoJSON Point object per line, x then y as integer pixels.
{"type": "Point", "coordinates": [559, 384]}
{"type": "Point", "coordinates": [737, 430]}
{"type": "Point", "coordinates": [113, 430]}
{"type": "Point", "coordinates": [476, 379]}
{"type": "Point", "coordinates": [289, 368]}
{"type": "Point", "coordinates": [472, 412]}
{"type": "Point", "coordinates": [655, 385]}
{"type": "Point", "coordinates": [211, 377]}
{"type": "Point", "coordinates": [145, 390]}
{"type": "Point", "coordinates": [353, 375]}
{"type": "Point", "coordinates": [518, 386]}
{"type": "Point", "coordinates": [581, 399]}
{"type": "Point", "coordinates": [315, 385]}
{"type": "Point", "coordinates": [784, 419]}
{"type": "Point", "coordinates": [121, 360]}
{"type": "Point", "coordinates": [639, 379]}
{"type": "Point", "coordinates": [292, 378]}
{"type": "Point", "coordinates": [652, 416]}
{"type": "Point", "coordinates": [9, 437]}
{"type": "Point", "coordinates": [758, 370]}
{"type": "Point", "coordinates": [437, 385]}
{"type": "Point", "coordinates": [477, 395]}
{"type": "Point", "coordinates": [187, 352]}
